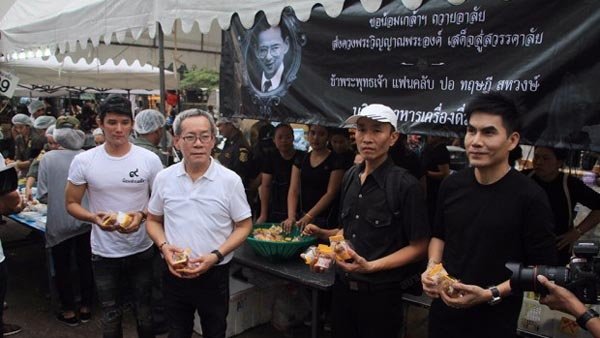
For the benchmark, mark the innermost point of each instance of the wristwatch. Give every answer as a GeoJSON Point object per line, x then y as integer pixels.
{"type": "Point", "coordinates": [585, 317]}
{"type": "Point", "coordinates": [219, 255]}
{"type": "Point", "coordinates": [495, 296]}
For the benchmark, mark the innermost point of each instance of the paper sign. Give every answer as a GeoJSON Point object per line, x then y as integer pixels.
{"type": "Point", "coordinates": [8, 83]}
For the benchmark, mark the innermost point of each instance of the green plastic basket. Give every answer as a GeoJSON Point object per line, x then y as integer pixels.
{"type": "Point", "coordinates": [278, 251]}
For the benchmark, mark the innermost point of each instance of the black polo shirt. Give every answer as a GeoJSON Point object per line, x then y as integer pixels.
{"type": "Point", "coordinates": [368, 220]}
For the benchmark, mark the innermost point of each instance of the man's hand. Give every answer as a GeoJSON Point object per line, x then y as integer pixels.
{"type": "Point", "coordinates": [561, 299]}
{"type": "Point", "coordinates": [466, 296]}
{"type": "Point", "coordinates": [168, 251]}
{"type": "Point", "coordinates": [311, 230]}
{"type": "Point", "coordinates": [357, 264]}
{"type": "Point", "coordinates": [567, 239]}
{"type": "Point", "coordinates": [198, 266]}
{"type": "Point", "coordinates": [135, 224]}
{"type": "Point", "coordinates": [101, 218]}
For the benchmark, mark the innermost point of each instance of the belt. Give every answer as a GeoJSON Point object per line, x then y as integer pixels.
{"type": "Point", "coordinates": [355, 285]}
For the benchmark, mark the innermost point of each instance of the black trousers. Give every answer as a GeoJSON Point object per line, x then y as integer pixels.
{"type": "Point", "coordinates": [366, 313]}
{"type": "Point", "coordinates": [61, 255]}
{"type": "Point", "coordinates": [208, 294]}
{"type": "Point", "coordinates": [3, 282]}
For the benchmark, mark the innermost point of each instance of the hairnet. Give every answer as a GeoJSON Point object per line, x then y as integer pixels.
{"type": "Point", "coordinates": [97, 131]}
{"type": "Point", "coordinates": [44, 121]}
{"type": "Point", "coordinates": [148, 120]}
{"type": "Point", "coordinates": [35, 106]}
{"type": "Point", "coordinates": [50, 130]}
{"type": "Point", "coordinates": [22, 119]}
{"type": "Point", "coordinates": [69, 138]}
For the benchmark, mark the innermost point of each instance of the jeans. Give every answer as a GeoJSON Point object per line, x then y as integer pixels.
{"type": "Point", "coordinates": [109, 273]}
{"type": "Point", "coordinates": [208, 294]}
{"type": "Point", "coordinates": [61, 255]}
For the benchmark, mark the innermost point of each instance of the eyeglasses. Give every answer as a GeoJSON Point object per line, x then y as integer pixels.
{"type": "Point", "coordinates": [191, 139]}
{"type": "Point", "coordinates": [274, 49]}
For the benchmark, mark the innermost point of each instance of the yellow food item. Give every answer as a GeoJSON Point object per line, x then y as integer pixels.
{"type": "Point", "coordinates": [273, 234]}
{"type": "Point", "coordinates": [109, 220]}
{"type": "Point", "coordinates": [124, 220]}
{"type": "Point", "coordinates": [181, 258]}
{"type": "Point", "coordinates": [435, 270]}
{"type": "Point", "coordinates": [340, 247]}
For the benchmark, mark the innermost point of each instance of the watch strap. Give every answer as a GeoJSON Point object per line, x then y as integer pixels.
{"type": "Point", "coordinates": [495, 295]}
{"type": "Point", "coordinates": [219, 255]}
{"type": "Point", "coordinates": [585, 317]}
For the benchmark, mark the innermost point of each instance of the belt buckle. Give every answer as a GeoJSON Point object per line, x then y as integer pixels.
{"type": "Point", "coordinates": [352, 285]}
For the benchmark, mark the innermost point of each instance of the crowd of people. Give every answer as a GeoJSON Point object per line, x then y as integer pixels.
{"type": "Point", "coordinates": [393, 197]}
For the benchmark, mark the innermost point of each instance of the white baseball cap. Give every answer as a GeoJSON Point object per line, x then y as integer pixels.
{"type": "Point", "coordinates": [377, 112]}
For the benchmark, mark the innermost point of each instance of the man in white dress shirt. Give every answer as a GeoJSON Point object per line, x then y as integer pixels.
{"type": "Point", "coordinates": [198, 207]}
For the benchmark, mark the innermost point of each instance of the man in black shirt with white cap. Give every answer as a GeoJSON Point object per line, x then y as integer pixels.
{"type": "Point", "coordinates": [383, 216]}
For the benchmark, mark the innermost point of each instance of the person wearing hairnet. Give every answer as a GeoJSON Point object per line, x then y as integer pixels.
{"type": "Point", "coordinates": [98, 136]}
{"type": "Point", "coordinates": [66, 235]}
{"type": "Point", "coordinates": [36, 109]}
{"type": "Point", "coordinates": [149, 125]}
{"type": "Point", "coordinates": [28, 143]}
{"type": "Point", "coordinates": [32, 173]}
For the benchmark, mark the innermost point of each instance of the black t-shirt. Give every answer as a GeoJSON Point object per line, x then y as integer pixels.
{"type": "Point", "coordinates": [314, 182]}
{"type": "Point", "coordinates": [578, 192]}
{"type": "Point", "coordinates": [368, 220]}
{"type": "Point", "coordinates": [484, 227]}
{"type": "Point", "coordinates": [347, 159]}
{"type": "Point", "coordinates": [432, 157]}
{"type": "Point", "coordinates": [280, 170]}
{"type": "Point", "coordinates": [407, 159]}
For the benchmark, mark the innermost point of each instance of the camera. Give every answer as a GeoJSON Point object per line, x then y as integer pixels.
{"type": "Point", "coordinates": [580, 276]}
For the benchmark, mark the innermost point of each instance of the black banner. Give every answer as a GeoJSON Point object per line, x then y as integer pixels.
{"type": "Point", "coordinates": [425, 64]}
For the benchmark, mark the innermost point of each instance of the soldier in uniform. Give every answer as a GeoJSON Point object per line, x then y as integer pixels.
{"type": "Point", "coordinates": [236, 153]}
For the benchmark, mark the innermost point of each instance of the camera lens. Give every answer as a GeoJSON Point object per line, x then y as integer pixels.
{"type": "Point", "coordinates": [558, 274]}
{"type": "Point", "coordinates": [525, 278]}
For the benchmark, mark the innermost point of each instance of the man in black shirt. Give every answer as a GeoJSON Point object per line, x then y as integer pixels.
{"type": "Point", "coordinates": [387, 232]}
{"type": "Point", "coordinates": [564, 192]}
{"type": "Point", "coordinates": [487, 215]}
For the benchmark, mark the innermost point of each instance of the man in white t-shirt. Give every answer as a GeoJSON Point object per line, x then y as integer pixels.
{"type": "Point", "coordinates": [198, 207]}
{"type": "Point", "coordinates": [117, 176]}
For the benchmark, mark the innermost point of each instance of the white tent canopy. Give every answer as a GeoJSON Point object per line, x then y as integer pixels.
{"type": "Point", "coordinates": [189, 26]}
{"type": "Point", "coordinates": [80, 74]}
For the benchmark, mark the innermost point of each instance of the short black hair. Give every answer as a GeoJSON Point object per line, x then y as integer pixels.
{"type": "Point", "coordinates": [115, 103]}
{"type": "Point", "coordinates": [262, 25]}
{"type": "Point", "coordinates": [561, 154]}
{"type": "Point", "coordinates": [496, 104]}
{"type": "Point", "coordinates": [339, 131]}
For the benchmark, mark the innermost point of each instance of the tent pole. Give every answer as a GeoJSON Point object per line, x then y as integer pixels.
{"type": "Point", "coordinates": [161, 67]}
